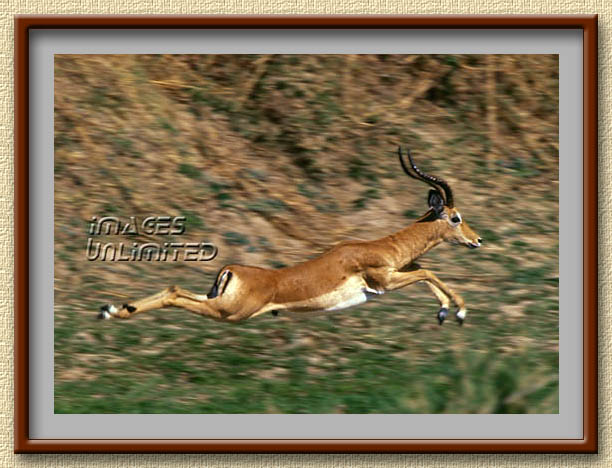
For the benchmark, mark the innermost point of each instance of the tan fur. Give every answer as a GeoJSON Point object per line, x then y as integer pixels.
{"type": "Point", "coordinates": [341, 277]}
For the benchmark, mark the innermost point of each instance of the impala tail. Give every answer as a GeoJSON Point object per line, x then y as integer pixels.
{"type": "Point", "coordinates": [220, 284]}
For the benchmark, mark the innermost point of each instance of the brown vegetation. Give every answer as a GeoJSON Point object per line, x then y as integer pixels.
{"type": "Point", "coordinates": [276, 158]}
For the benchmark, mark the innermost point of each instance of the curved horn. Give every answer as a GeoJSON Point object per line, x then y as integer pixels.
{"type": "Point", "coordinates": [404, 165]}
{"type": "Point", "coordinates": [418, 173]}
{"type": "Point", "coordinates": [435, 182]}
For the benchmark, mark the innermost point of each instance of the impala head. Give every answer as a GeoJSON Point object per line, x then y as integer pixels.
{"type": "Point", "coordinates": [442, 207]}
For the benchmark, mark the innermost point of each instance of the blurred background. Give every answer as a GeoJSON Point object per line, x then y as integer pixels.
{"type": "Point", "coordinates": [274, 159]}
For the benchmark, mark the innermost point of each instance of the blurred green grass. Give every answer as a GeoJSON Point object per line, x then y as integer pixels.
{"type": "Point", "coordinates": [381, 358]}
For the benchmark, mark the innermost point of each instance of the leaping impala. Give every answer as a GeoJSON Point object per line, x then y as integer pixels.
{"type": "Point", "coordinates": [346, 275]}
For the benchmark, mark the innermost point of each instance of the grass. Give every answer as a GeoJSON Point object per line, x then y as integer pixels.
{"type": "Point", "coordinates": [273, 159]}
{"type": "Point", "coordinates": [385, 358]}
{"type": "Point", "coordinates": [235, 238]}
{"type": "Point", "coordinates": [388, 356]}
{"type": "Point", "coordinates": [189, 171]}
{"type": "Point", "coordinates": [193, 220]}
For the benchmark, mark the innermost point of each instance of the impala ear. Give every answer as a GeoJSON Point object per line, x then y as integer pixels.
{"type": "Point", "coordinates": [435, 201]}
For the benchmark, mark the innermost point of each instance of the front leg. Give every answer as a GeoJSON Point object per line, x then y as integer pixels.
{"type": "Point", "coordinates": [391, 279]}
{"type": "Point", "coordinates": [444, 301]}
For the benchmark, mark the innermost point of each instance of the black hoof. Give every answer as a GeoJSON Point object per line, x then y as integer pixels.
{"type": "Point", "coordinates": [459, 320]}
{"type": "Point", "coordinates": [275, 313]}
{"type": "Point", "coordinates": [442, 314]}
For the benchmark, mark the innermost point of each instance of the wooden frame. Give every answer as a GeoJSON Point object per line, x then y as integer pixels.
{"type": "Point", "coordinates": [586, 23]}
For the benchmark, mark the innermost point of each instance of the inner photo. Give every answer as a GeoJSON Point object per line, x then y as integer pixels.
{"type": "Point", "coordinates": [306, 234]}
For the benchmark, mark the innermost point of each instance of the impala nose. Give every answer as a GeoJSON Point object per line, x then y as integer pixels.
{"type": "Point", "coordinates": [475, 245]}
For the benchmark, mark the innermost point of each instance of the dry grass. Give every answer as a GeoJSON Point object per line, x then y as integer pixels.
{"type": "Point", "coordinates": [273, 159]}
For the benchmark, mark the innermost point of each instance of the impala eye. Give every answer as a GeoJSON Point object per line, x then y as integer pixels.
{"type": "Point", "coordinates": [456, 219]}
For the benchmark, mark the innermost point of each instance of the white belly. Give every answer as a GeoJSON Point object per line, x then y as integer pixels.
{"type": "Point", "coordinates": [352, 292]}
{"type": "Point", "coordinates": [350, 299]}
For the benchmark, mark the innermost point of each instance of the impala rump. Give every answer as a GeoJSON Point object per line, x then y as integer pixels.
{"type": "Point", "coordinates": [220, 284]}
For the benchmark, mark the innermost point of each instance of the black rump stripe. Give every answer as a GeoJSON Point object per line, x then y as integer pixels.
{"type": "Point", "coordinates": [214, 291]}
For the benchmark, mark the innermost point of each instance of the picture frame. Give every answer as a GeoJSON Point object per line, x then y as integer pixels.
{"type": "Point", "coordinates": [25, 260]}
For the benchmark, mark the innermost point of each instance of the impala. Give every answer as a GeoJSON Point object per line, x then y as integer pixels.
{"type": "Point", "coordinates": [348, 274]}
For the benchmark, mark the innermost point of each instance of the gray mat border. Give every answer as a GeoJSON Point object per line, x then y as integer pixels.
{"type": "Point", "coordinates": [44, 424]}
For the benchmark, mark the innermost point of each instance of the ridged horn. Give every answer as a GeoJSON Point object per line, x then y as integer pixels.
{"type": "Point", "coordinates": [439, 184]}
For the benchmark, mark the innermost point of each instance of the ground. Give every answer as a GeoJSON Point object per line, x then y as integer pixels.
{"type": "Point", "coordinates": [274, 159]}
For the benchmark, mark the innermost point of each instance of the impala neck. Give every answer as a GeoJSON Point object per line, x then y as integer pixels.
{"type": "Point", "coordinates": [420, 237]}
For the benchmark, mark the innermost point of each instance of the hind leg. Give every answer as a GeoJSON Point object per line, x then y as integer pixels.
{"type": "Point", "coordinates": [172, 296]}
{"type": "Point", "coordinates": [205, 308]}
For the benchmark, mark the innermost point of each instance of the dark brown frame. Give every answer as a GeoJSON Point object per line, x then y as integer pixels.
{"type": "Point", "coordinates": [588, 24]}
